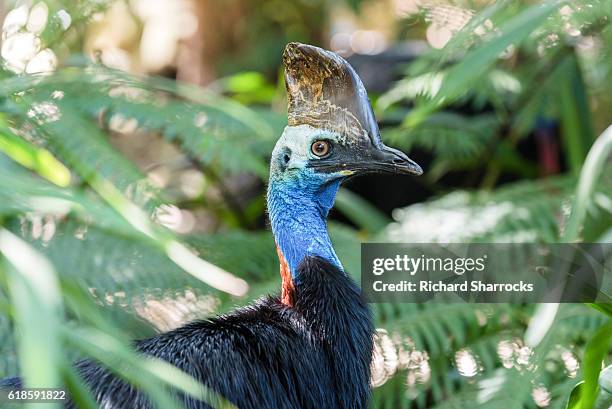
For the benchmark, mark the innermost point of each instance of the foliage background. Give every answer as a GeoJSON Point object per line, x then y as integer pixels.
{"type": "Point", "coordinates": [134, 140]}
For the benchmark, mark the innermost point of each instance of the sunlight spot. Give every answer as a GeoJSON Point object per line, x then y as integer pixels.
{"type": "Point", "coordinates": [200, 119]}
{"type": "Point", "coordinates": [165, 24]}
{"type": "Point", "coordinates": [172, 310]}
{"type": "Point", "coordinates": [341, 43]}
{"type": "Point", "coordinates": [46, 204]}
{"type": "Point", "coordinates": [484, 28]}
{"type": "Point", "coordinates": [64, 18]}
{"type": "Point", "coordinates": [120, 124]}
{"type": "Point", "coordinates": [406, 8]}
{"type": "Point", "coordinates": [378, 376]}
{"type": "Point", "coordinates": [192, 183]}
{"type": "Point", "coordinates": [571, 363]}
{"type": "Point", "coordinates": [395, 353]}
{"type": "Point", "coordinates": [18, 49]}
{"type": "Point", "coordinates": [419, 370]}
{"type": "Point", "coordinates": [158, 178]}
{"type": "Point", "coordinates": [540, 323]}
{"type": "Point", "coordinates": [44, 112]}
{"type": "Point", "coordinates": [548, 42]}
{"type": "Point", "coordinates": [452, 219]}
{"type": "Point", "coordinates": [445, 21]}
{"type": "Point", "coordinates": [514, 354]}
{"type": "Point", "coordinates": [385, 360]}
{"type": "Point", "coordinates": [541, 396]}
{"type": "Point", "coordinates": [503, 81]}
{"type": "Point", "coordinates": [117, 58]}
{"type": "Point", "coordinates": [437, 37]}
{"type": "Point", "coordinates": [423, 371]}
{"type": "Point", "coordinates": [566, 11]}
{"type": "Point", "coordinates": [505, 352]}
{"type": "Point", "coordinates": [586, 44]}
{"type": "Point", "coordinates": [48, 230]}
{"type": "Point", "coordinates": [389, 352]}
{"type": "Point", "coordinates": [481, 317]}
{"type": "Point", "coordinates": [44, 61]}
{"type": "Point", "coordinates": [524, 356]}
{"type": "Point", "coordinates": [14, 21]}
{"type": "Point", "coordinates": [489, 387]}
{"type": "Point", "coordinates": [405, 346]}
{"type": "Point", "coordinates": [170, 216]}
{"type": "Point", "coordinates": [132, 94]}
{"type": "Point", "coordinates": [81, 232]}
{"type": "Point", "coordinates": [368, 42]}
{"type": "Point", "coordinates": [36, 226]}
{"type": "Point", "coordinates": [466, 363]}
{"type": "Point", "coordinates": [38, 18]}
{"type": "Point", "coordinates": [571, 30]}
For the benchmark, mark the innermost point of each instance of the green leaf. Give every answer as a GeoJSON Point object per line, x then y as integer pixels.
{"type": "Point", "coordinates": [38, 309]}
{"type": "Point", "coordinates": [601, 307]}
{"type": "Point", "coordinates": [574, 398]}
{"type": "Point", "coordinates": [605, 380]}
{"type": "Point", "coordinates": [596, 349]}
{"type": "Point", "coordinates": [249, 87]}
{"type": "Point", "coordinates": [79, 393]}
{"type": "Point", "coordinates": [591, 170]}
{"type": "Point", "coordinates": [360, 211]}
{"type": "Point", "coordinates": [575, 116]}
{"type": "Point", "coordinates": [461, 76]}
{"type": "Point", "coordinates": [37, 159]}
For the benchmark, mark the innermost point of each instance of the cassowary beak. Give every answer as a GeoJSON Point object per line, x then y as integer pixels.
{"type": "Point", "coordinates": [385, 159]}
{"type": "Point", "coordinates": [358, 160]}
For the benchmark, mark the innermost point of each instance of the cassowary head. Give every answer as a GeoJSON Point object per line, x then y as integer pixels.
{"type": "Point", "coordinates": [332, 134]}
{"type": "Point", "coordinates": [332, 131]}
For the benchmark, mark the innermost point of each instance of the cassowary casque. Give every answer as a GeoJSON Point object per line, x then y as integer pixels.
{"type": "Point", "coordinates": [310, 346]}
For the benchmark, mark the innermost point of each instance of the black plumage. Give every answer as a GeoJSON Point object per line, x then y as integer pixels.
{"type": "Point", "coordinates": [315, 354]}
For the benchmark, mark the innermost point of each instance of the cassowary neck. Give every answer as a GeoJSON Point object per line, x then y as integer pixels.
{"type": "Point", "coordinates": [298, 209]}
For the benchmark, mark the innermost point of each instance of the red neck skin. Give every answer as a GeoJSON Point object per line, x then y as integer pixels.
{"type": "Point", "coordinates": [287, 288]}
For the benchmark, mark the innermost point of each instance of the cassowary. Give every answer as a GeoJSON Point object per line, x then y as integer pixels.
{"type": "Point", "coordinates": [311, 346]}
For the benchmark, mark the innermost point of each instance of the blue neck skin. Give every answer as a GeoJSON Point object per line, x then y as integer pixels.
{"type": "Point", "coordinates": [298, 206]}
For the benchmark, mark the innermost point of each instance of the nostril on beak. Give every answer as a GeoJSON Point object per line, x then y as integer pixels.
{"type": "Point", "coordinates": [401, 160]}
{"type": "Point", "coordinates": [388, 159]}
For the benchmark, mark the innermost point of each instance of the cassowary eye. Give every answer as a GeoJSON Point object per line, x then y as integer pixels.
{"type": "Point", "coordinates": [320, 148]}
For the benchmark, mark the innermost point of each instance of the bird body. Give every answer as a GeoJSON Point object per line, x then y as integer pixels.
{"type": "Point", "coordinates": [315, 354]}
{"type": "Point", "coordinates": [310, 346]}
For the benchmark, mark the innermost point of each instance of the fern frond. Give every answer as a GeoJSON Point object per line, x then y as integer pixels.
{"type": "Point", "coordinates": [521, 212]}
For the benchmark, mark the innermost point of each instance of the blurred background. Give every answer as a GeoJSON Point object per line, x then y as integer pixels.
{"type": "Point", "coordinates": [131, 129]}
